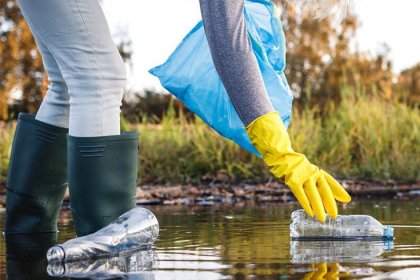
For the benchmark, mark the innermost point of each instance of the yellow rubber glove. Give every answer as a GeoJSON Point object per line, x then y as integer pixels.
{"type": "Point", "coordinates": [315, 189]}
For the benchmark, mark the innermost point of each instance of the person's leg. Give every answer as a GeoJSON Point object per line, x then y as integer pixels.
{"type": "Point", "coordinates": [102, 163]}
{"type": "Point", "coordinates": [78, 38]}
{"type": "Point", "coordinates": [55, 108]}
{"type": "Point", "coordinates": [37, 174]}
{"type": "Point", "coordinates": [234, 59]}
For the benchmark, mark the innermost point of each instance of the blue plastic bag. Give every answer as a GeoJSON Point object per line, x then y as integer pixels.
{"type": "Point", "coordinates": [189, 73]}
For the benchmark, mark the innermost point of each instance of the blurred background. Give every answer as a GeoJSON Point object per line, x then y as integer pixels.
{"type": "Point", "coordinates": [356, 83]}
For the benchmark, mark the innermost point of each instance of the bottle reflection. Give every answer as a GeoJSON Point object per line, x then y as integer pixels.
{"type": "Point", "coordinates": [138, 265]}
{"type": "Point", "coordinates": [337, 251]}
{"type": "Point", "coordinates": [26, 255]}
{"type": "Point", "coordinates": [324, 257]}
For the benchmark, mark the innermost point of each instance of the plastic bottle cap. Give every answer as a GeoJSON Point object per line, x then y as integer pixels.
{"type": "Point", "coordinates": [388, 232]}
{"type": "Point", "coordinates": [55, 254]}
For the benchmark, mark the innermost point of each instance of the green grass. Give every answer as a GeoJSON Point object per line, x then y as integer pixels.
{"type": "Point", "coordinates": [178, 151]}
{"type": "Point", "coordinates": [6, 138]}
{"type": "Point", "coordinates": [367, 138]}
{"type": "Point", "coordinates": [363, 138]}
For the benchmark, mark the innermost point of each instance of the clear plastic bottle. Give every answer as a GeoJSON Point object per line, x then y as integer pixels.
{"type": "Point", "coordinates": [351, 227]}
{"type": "Point", "coordinates": [134, 230]}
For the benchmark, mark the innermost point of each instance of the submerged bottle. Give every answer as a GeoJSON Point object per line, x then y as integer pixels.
{"type": "Point", "coordinates": [351, 227]}
{"type": "Point", "coordinates": [136, 229]}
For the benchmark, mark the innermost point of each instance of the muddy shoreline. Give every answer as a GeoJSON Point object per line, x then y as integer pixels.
{"type": "Point", "coordinates": [272, 192]}
{"type": "Point", "coordinates": [213, 193]}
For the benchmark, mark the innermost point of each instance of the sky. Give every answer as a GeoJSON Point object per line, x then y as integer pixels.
{"type": "Point", "coordinates": [156, 27]}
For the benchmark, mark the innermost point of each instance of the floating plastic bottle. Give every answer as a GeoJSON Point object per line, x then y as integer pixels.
{"type": "Point", "coordinates": [351, 227]}
{"type": "Point", "coordinates": [135, 230]}
{"type": "Point", "coordinates": [140, 264]}
{"type": "Point", "coordinates": [332, 251]}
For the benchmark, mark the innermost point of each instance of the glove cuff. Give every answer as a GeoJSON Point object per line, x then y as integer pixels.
{"type": "Point", "coordinates": [269, 135]}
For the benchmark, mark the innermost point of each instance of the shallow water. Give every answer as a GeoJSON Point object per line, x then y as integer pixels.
{"type": "Point", "coordinates": [247, 241]}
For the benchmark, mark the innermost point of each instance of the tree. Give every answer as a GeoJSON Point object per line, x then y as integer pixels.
{"type": "Point", "coordinates": [21, 68]}
{"type": "Point", "coordinates": [409, 80]}
{"type": "Point", "coordinates": [319, 58]}
{"type": "Point", "coordinates": [319, 55]}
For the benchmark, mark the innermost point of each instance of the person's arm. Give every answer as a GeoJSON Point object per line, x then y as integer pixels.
{"type": "Point", "coordinates": [238, 69]}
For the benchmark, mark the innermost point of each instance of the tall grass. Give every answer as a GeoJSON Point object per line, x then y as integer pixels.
{"type": "Point", "coordinates": [367, 138]}
{"type": "Point", "coordinates": [6, 138]}
{"type": "Point", "coordinates": [363, 137]}
{"type": "Point", "coordinates": [179, 151]}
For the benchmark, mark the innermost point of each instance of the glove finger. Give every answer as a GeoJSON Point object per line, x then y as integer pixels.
{"type": "Point", "coordinates": [339, 192]}
{"type": "Point", "coordinates": [333, 274]}
{"type": "Point", "coordinates": [315, 199]}
{"type": "Point", "coordinates": [303, 200]}
{"type": "Point", "coordinates": [308, 276]}
{"type": "Point", "coordinates": [321, 271]}
{"type": "Point", "coordinates": [327, 197]}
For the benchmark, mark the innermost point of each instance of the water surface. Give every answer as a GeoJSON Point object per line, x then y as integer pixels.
{"type": "Point", "coordinates": [250, 241]}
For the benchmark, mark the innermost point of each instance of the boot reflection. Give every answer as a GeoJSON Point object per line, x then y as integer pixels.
{"type": "Point", "coordinates": [138, 265]}
{"type": "Point", "coordinates": [26, 255]}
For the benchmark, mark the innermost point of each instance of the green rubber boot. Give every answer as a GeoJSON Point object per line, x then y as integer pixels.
{"type": "Point", "coordinates": [102, 179]}
{"type": "Point", "coordinates": [37, 177]}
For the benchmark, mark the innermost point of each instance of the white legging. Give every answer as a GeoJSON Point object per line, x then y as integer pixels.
{"type": "Point", "coordinates": [87, 74]}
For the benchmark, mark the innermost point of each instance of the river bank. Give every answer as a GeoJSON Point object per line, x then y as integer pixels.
{"type": "Point", "coordinates": [362, 138]}
{"type": "Point", "coordinates": [271, 192]}
{"type": "Point", "coordinates": [215, 193]}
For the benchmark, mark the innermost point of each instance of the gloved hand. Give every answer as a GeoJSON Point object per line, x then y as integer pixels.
{"type": "Point", "coordinates": [315, 189]}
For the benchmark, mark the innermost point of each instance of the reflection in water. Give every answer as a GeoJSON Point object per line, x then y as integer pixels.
{"type": "Point", "coordinates": [407, 273]}
{"type": "Point", "coordinates": [338, 251]}
{"type": "Point", "coordinates": [137, 265]}
{"type": "Point", "coordinates": [26, 255]}
{"type": "Point", "coordinates": [247, 241]}
{"type": "Point", "coordinates": [324, 257]}
{"type": "Point", "coordinates": [321, 271]}
{"type": "Point", "coordinates": [26, 260]}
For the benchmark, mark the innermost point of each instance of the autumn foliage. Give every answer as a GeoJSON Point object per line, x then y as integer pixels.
{"type": "Point", "coordinates": [321, 57]}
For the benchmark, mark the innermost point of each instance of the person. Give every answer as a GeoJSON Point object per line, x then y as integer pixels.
{"type": "Point", "coordinates": [75, 136]}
